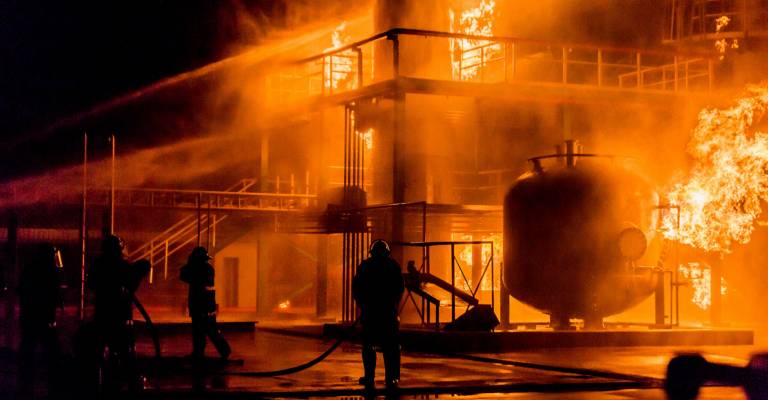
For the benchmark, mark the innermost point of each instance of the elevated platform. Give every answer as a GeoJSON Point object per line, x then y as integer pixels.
{"type": "Point", "coordinates": [425, 340]}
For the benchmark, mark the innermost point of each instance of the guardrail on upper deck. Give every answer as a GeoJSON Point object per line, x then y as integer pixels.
{"type": "Point", "coordinates": [487, 59]}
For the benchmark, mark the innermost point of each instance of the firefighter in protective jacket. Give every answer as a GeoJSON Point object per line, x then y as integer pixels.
{"type": "Point", "coordinates": [377, 288]}
{"type": "Point", "coordinates": [199, 274]}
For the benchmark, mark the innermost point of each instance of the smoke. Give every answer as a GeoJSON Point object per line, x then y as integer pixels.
{"type": "Point", "coordinates": [167, 166]}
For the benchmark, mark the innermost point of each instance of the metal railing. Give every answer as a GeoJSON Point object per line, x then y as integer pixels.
{"type": "Point", "coordinates": [494, 59]}
{"type": "Point", "coordinates": [192, 227]}
{"type": "Point", "coordinates": [699, 19]}
{"type": "Point", "coordinates": [456, 267]}
{"type": "Point", "coordinates": [210, 199]}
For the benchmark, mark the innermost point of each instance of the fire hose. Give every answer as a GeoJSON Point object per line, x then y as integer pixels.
{"type": "Point", "coordinates": [292, 370]}
{"type": "Point", "coordinates": [152, 327]}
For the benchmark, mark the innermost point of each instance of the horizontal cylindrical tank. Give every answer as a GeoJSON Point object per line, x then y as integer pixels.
{"type": "Point", "coordinates": [576, 237]}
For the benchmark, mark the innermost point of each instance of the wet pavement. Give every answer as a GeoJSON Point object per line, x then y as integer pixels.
{"type": "Point", "coordinates": [559, 373]}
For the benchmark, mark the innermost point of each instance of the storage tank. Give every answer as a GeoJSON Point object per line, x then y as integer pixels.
{"type": "Point", "coordinates": [577, 231]}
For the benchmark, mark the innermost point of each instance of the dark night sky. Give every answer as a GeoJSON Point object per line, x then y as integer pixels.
{"type": "Point", "coordinates": [61, 57]}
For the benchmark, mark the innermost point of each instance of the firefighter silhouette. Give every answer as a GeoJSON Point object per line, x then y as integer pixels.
{"type": "Point", "coordinates": [113, 281]}
{"type": "Point", "coordinates": [199, 275]}
{"type": "Point", "coordinates": [377, 288]}
{"type": "Point", "coordinates": [39, 297]}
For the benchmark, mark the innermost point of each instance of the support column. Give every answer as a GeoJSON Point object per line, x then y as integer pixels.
{"type": "Point", "coordinates": [398, 174]}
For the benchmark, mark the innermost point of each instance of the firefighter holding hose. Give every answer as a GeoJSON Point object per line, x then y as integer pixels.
{"type": "Point", "coordinates": [377, 288]}
{"type": "Point", "coordinates": [114, 281]}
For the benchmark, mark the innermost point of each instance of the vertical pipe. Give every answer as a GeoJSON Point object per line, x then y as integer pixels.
{"type": "Point", "coordinates": [514, 60]}
{"type": "Point", "coordinates": [198, 200]}
{"type": "Point", "coordinates": [453, 284]}
{"type": "Point", "coordinates": [83, 230]}
{"type": "Point", "coordinates": [638, 62]}
{"type": "Point", "coordinates": [395, 56]}
{"type": "Point", "coordinates": [359, 52]}
{"type": "Point", "coordinates": [565, 65]}
{"type": "Point", "coordinates": [208, 225]}
{"type": "Point", "coordinates": [599, 67]}
{"type": "Point", "coordinates": [165, 261]}
{"type": "Point", "coordinates": [151, 261]}
{"type": "Point", "coordinates": [710, 74]}
{"type": "Point", "coordinates": [112, 190]}
{"type": "Point", "coordinates": [213, 232]}
{"type": "Point", "coordinates": [424, 254]}
{"type": "Point", "coordinates": [345, 171]}
{"type": "Point", "coordinates": [353, 150]}
{"type": "Point", "coordinates": [360, 160]}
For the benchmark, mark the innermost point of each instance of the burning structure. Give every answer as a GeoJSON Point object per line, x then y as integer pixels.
{"type": "Point", "coordinates": [411, 125]}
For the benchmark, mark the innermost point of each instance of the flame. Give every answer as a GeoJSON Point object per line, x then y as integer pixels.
{"type": "Point", "coordinates": [367, 137]}
{"type": "Point", "coordinates": [284, 305]}
{"type": "Point", "coordinates": [721, 22]}
{"type": "Point", "coordinates": [465, 258]}
{"type": "Point", "coordinates": [469, 56]}
{"type": "Point", "coordinates": [720, 200]}
{"type": "Point", "coordinates": [700, 277]}
{"type": "Point", "coordinates": [337, 68]}
{"type": "Point", "coordinates": [722, 45]}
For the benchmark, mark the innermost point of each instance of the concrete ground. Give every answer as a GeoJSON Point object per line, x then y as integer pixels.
{"type": "Point", "coordinates": [575, 373]}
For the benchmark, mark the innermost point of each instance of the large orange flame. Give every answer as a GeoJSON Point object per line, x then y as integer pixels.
{"type": "Point", "coordinates": [469, 56]}
{"type": "Point", "coordinates": [720, 200]}
{"type": "Point", "coordinates": [337, 68]}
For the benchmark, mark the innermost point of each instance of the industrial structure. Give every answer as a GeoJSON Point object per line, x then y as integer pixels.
{"type": "Point", "coordinates": [413, 130]}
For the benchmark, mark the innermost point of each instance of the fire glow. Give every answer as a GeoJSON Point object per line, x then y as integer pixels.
{"type": "Point", "coordinates": [722, 45]}
{"type": "Point", "coordinates": [701, 281]}
{"type": "Point", "coordinates": [469, 56]}
{"type": "Point", "coordinates": [720, 199]}
{"type": "Point", "coordinates": [337, 68]}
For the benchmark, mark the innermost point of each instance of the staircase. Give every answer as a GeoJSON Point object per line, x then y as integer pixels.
{"type": "Point", "coordinates": [167, 251]}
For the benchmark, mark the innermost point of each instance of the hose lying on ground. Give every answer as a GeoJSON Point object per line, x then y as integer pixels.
{"type": "Point", "coordinates": [297, 368]}
{"type": "Point", "coordinates": [650, 382]}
